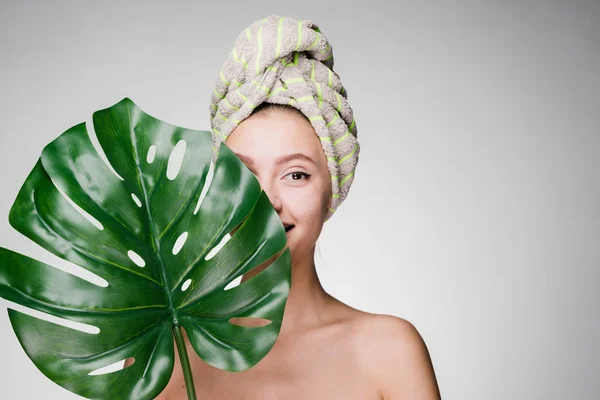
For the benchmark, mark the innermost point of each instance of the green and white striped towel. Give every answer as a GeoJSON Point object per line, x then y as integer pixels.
{"type": "Point", "coordinates": [287, 61]}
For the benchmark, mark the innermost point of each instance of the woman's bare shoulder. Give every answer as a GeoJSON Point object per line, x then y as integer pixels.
{"type": "Point", "coordinates": [394, 354]}
{"type": "Point", "coordinates": [376, 332]}
{"type": "Point", "coordinates": [386, 327]}
{"type": "Point", "coordinates": [367, 324]}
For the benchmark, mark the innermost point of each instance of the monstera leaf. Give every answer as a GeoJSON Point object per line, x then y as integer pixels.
{"type": "Point", "coordinates": [147, 228]}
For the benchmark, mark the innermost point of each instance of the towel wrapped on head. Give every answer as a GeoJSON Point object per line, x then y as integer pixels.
{"type": "Point", "coordinates": [286, 61]}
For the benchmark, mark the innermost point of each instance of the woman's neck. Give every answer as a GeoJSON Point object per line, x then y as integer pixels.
{"type": "Point", "coordinates": [307, 300]}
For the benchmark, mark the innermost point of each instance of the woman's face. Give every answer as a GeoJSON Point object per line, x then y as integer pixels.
{"type": "Point", "coordinates": [283, 151]}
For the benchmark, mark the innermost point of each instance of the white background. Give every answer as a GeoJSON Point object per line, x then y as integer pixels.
{"type": "Point", "coordinates": [475, 212]}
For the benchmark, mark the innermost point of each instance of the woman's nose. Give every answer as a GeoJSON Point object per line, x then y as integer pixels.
{"type": "Point", "coordinates": [276, 202]}
{"type": "Point", "coordinates": [273, 198]}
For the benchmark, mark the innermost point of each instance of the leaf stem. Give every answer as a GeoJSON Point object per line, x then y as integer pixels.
{"type": "Point", "coordinates": [185, 363]}
{"type": "Point", "coordinates": [183, 357]}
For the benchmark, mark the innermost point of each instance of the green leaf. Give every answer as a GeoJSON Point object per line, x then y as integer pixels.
{"type": "Point", "coordinates": [132, 237]}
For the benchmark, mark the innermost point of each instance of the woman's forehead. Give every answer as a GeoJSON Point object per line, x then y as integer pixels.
{"type": "Point", "coordinates": [275, 135]}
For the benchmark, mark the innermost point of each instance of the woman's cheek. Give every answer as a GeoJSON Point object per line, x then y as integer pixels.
{"type": "Point", "coordinates": [317, 205]}
{"type": "Point", "coordinates": [299, 202]}
{"type": "Point", "coordinates": [308, 201]}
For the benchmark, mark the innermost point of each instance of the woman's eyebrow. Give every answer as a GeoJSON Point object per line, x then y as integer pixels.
{"type": "Point", "coordinates": [244, 158]}
{"type": "Point", "coordinates": [294, 156]}
{"type": "Point", "coordinates": [280, 160]}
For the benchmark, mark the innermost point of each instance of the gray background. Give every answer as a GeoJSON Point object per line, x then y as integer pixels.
{"type": "Point", "coordinates": [475, 212]}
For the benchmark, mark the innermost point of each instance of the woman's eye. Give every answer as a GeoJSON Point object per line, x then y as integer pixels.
{"type": "Point", "coordinates": [296, 176]}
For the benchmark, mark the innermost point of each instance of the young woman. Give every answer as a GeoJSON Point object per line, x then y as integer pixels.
{"type": "Point", "coordinates": [280, 107]}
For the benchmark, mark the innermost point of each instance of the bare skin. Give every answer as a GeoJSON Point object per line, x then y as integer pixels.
{"type": "Point", "coordinates": [325, 349]}
{"type": "Point", "coordinates": [319, 363]}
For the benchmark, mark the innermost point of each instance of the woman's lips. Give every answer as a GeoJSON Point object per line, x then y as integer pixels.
{"type": "Point", "coordinates": [289, 228]}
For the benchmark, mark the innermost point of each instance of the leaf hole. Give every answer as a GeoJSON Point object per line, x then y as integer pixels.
{"type": "Point", "coordinates": [176, 159]}
{"type": "Point", "coordinates": [114, 367]}
{"type": "Point", "coordinates": [186, 285]}
{"type": "Point", "coordinates": [179, 243]}
{"type": "Point", "coordinates": [250, 322]}
{"type": "Point", "coordinates": [136, 200]}
{"type": "Point", "coordinates": [135, 257]}
{"type": "Point", "coordinates": [70, 268]}
{"type": "Point", "coordinates": [218, 247]}
{"type": "Point", "coordinates": [207, 182]}
{"type": "Point", "coordinates": [89, 125]}
{"type": "Point", "coordinates": [234, 283]}
{"type": "Point", "coordinates": [78, 326]}
{"type": "Point", "coordinates": [151, 154]}
{"type": "Point", "coordinates": [80, 210]}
